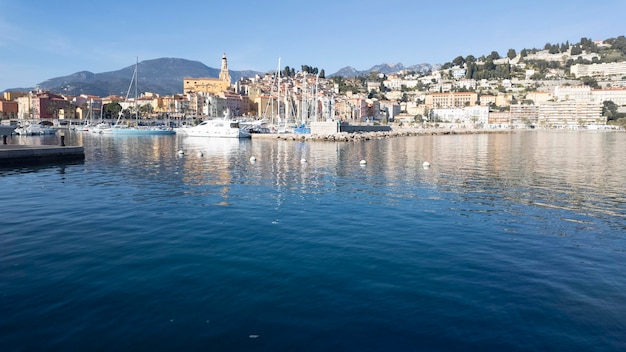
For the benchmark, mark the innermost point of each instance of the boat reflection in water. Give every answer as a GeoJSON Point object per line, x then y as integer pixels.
{"type": "Point", "coordinates": [211, 165]}
{"type": "Point", "coordinates": [213, 146]}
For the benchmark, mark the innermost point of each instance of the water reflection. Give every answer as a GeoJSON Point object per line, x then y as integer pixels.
{"type": "Point", "coordinates": [576, 171]}
{"type": "Point", "coordinates": [573, 171]}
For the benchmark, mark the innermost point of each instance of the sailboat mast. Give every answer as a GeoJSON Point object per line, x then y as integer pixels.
{"type": "Point", "coordinates": [136, 88]}
{"type": "Point", "coordinates": [315, 97]}
{"type": "Point", "coordinates": [304, 110]}
{"type": "Point", "coordinates": [278, 97]}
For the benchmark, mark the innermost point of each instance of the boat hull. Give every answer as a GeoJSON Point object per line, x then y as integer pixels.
{"type": "Point", "coordinates": [216, 129]}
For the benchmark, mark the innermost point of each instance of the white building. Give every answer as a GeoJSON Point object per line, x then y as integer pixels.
{"type": "Point", "coordinates": [616, 95]}
{"type": "Point", "coordinates": [573, 93]}
{"type": "Point", "coordinates": [570, 114]}
{"type": "Point", "coordinates": [467, 115]}
{"type": "Point", "coordinates": [595, 70]}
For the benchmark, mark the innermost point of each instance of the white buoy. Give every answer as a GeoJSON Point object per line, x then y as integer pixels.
{"type": "Point", "coordinates": [426, 165]}
{"type": "Point", "coordinates": [303, 160]}
{"type": "Point", "coordinates": [200, 154]}
{"type": "Point", "coordinates": [181, 152]}
{"type": "Point", "coordinates": [252, 159]}
{"type": "Point", "coordinates": [363, 162]}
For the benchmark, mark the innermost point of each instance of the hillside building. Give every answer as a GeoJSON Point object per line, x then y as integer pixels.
{"type": "Point", "coordinates": [599, 70]}
{"type": "Point", "coordinates": [616, 95]}
{"type": "Point", "coordinates": [572, 93]}
{"type": "Point", "coordinates": [451, 100]}
{"type": "Point", "coordinates": [209, 85]}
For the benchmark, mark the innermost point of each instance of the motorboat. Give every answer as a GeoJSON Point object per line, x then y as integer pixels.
{"type": "Point", "coordinates": [223, 128]}
{"type": "Point", "coordinates": [34, 129]}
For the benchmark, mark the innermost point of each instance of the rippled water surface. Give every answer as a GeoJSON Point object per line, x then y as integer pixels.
{"type": "Point", "coordinates": [507, 242]}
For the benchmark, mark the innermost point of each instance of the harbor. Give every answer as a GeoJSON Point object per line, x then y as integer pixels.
{"type": "Point", "coordinates": [307, 248]}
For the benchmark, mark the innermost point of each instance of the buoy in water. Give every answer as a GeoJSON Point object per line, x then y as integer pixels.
{"type": "Point", "coordinates": [363, 162]}
{"type": "Point", "coordinates": [303, 160]}
{"type": "Point", "coordinates": [252, 159]}
{"type": "Point", "coordinates": [200, 154]}
{"type": "Point", "coordinates": [426, 165]}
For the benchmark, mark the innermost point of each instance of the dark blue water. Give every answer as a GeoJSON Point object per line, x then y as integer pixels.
{"type": "Point", "coordinates": [509, 242]}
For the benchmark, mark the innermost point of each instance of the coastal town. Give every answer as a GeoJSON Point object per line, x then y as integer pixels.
{"type": "Point", "coordinates": [566, 86]}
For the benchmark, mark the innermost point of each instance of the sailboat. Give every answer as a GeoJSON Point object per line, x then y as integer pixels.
{"type": "Point", "coordinates": [121, 129]}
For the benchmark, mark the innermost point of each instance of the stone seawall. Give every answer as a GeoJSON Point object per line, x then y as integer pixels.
{"type": "Point", "coordinates": [364, 136]}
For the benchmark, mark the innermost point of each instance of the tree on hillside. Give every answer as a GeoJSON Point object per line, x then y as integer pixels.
{"type": "Point", "coordinates": [494, 55]}
{"type": "Point", "coordinates": [618, 43]}
{"type": "Point", "coordinates": [309, 69]}
{"type": "Point", "coordinates": [286, 72]}
{"type": "Point", "coordinates": [576, 50]}
{"type": "Point", "coordinates": [590, 81]}
{"type": "Point", "coordinates": [588, 45]}
{"type": "Point", "coordinates": [458, 61]}
{"type": "Point", "coordinates": [609, 110]}
{"type": "Point", "coordinates": [511, 54]}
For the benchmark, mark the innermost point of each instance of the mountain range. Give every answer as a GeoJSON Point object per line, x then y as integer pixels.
{"type": "Point", "coordinates": [165, 76]}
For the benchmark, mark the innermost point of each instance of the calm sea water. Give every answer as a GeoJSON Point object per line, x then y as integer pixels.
{"type": "Point", "coordinates": [509, 242]}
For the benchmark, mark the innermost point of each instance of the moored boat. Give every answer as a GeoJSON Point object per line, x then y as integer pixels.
{"type": "Point", "coordinates": [223, 128]}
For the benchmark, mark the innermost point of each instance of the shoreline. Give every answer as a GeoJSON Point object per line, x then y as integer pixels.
{"type": "Point", "coordinates": [404, 132]}
{"type": "Point", "coordinates": [365, 136]}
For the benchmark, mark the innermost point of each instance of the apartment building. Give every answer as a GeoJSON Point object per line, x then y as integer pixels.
{"type": "Point", "coordinates": [539, 97]}
{"type": "Point", "coordinates": [616, 95]}
{"type": "Point", "coordinates": [46, 105]}
{"type": "Point", "coordinates": [522, 114]}
{"type": "Point", "coordinates": [568, 114]}
{"type": "Point", "coordinates": [451, 99]}
{"type": "Point", "coordinates": [572, 93]}
{"type": "Point", "coordinates": [466, 115]}
{"type": "Point", "coordinates": [599, 70]}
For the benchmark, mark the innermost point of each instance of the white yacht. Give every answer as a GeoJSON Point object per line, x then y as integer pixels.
{"type": "Point", "coordinates": [216, 128]}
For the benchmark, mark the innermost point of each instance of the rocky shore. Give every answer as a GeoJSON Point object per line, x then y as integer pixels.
{"type": "Point", "coordinates": [365, 136]}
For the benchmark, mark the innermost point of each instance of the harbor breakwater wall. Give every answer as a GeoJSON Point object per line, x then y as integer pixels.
{"type": "Point", "coordinates": [364, 136]}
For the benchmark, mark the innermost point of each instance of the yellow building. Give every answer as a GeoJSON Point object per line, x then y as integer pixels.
{"type": "Point", "coordinates": [451, 99]}
{"type": "Point", "coordinates": [209, 85]}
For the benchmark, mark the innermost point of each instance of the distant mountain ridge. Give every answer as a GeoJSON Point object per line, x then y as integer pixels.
{"type": "Point", "coordinates": [349, 71]}
{"type": "Point", "coordinates": [165, 76]}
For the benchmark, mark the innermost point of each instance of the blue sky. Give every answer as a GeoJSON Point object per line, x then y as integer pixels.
{"type": "Point", "coordinates": [44, 39]}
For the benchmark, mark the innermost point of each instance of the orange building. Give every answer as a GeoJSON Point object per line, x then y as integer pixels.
{"type": "Point", "coordinates": [209, 85]}
{"type": "Point", "coordinates": [8, 108]}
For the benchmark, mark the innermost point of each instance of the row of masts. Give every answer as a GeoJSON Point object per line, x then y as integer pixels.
{"type": "Point", "coordinates": [309, 99]}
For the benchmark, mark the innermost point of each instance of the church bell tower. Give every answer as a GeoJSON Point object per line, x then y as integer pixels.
{"type": "Point", "coordinates": [224, 76]}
